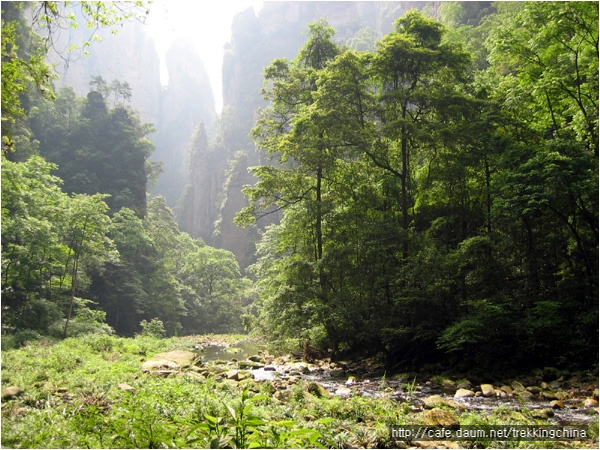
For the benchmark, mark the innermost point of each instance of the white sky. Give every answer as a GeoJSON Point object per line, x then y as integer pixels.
{"type": "Point", "coordinates": [206, 22]}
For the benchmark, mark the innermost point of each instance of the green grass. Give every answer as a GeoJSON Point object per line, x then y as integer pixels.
{"type": "Point", "coordinates": [72, 399]}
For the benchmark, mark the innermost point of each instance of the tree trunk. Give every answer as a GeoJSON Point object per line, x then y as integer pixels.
{"type": "Point", "coordinates": [319, 214]}
{"type": "Point", "coordinates": [73, 288]}
{"type": "Point", "coordinates": [404, 183]}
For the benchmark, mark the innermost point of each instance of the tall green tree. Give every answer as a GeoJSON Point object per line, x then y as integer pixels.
{"type": "Point", "coordinates": [33, 255]}
{"type": "Point", "coordinates": [419, 79]}
{"type": "Point", "coordinates": [301, 147]}
{"type": "Point", "coordinates": [49, 242]}
{"type": "Point", "coordinates": [445, 220]}
{"type": "Point", "coordinates": [97, 149]}
{"type": "Point", "coordinates": [85, 234]}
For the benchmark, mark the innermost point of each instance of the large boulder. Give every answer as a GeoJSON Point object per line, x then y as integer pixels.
{"type": "Point", "coordinates": [173, 361]}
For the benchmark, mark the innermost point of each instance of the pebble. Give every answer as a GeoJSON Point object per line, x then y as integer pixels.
{"type": "Point", "coordinates": [126, 387]}
{"type": "Point", "coordinates": [11, 392]}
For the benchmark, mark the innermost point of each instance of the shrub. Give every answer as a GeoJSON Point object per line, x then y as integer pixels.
{"type": "Point", "coordinates": [154, 328]}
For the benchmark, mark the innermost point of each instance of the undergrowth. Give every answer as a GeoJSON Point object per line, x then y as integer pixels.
{"type": "Point", "coordinates": [90, 392]}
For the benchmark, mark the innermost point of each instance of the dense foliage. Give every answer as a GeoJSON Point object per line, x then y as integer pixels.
{"type": "Point", "coordinates": [82, 251]}
{"type": "Point", "coordinates": [437, 206]}
{"type": "Point", "coordinates": [97, 149]}
{"type": "Point", "coordinates": [63, 256]}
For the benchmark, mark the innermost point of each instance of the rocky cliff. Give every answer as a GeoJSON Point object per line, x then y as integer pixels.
{"type": "Point", "coordinates": [186, 102]}
{"type": "Point", "coordinates": [176, 110]}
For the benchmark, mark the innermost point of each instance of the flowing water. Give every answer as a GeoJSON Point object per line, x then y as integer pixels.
{"type": "Point", "coordinates": [379, 387]}
{"type": "Point", "coordinates": [239, 351]}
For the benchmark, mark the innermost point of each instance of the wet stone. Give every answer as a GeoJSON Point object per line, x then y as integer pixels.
{"type": "Point", "coordinates": [524, 395]}
{"type": "Point", "coordinates": [590, 403]}
{"type": "Point", "coordinates": [464, 393]}
{"type": "Point", "coordinates": [500, 393]}
{"type": "Point", "coordinates": [549, 395]}
{"type": "Point", "coordinates": [487, 390]}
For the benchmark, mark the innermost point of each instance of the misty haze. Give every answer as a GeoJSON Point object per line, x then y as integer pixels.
{"type": "Point", "coordinates": [299, 224]}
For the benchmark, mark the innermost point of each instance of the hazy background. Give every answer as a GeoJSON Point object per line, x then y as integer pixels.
{"type": "Point", "coordinates": [206, 24]}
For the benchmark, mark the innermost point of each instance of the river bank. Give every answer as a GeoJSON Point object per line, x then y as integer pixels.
{"type": "Point", "coordinates": [107, 392]}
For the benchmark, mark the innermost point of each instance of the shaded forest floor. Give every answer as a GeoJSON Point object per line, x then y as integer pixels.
{"type": "Point", "coordinates": [194, 392]}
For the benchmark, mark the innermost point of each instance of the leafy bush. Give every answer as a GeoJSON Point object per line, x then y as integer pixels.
{"type": "Point", "coordinates": [154, 328]}
{"type": "Point", "coordinates": [20, 338]}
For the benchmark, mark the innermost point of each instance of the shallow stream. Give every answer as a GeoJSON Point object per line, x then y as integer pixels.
{"type": "Point", "coordinates": [378, 387]}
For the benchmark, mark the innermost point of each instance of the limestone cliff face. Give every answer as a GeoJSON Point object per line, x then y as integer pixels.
{"type": "Point", "coordinates": [187, 101]}
{"type": "Point", "coordinates": [198, 208]}
{"type": "Point", "coordinates": [240, 241]}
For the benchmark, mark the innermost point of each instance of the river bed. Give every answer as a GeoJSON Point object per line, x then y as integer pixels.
{"type": "Point", "coordinates": [340, 382]}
